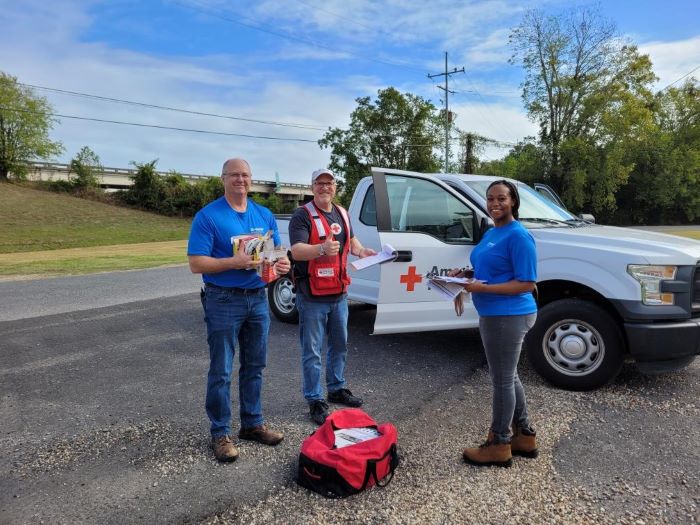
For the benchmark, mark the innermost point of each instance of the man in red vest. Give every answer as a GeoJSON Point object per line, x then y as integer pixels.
{"type": "Point", "coordinates": [321, 239]}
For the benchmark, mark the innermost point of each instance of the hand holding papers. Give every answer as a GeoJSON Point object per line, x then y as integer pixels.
{"type": "Point", "coordinates": [451, 289]}
{"type": "Point", "coordinates": [387, 254]}
{"type": "Point", "coordinates": [447, 287]}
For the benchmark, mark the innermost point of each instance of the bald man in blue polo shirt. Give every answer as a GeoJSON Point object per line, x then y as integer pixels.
{"type": "Point", "coordinates": [235, 307]}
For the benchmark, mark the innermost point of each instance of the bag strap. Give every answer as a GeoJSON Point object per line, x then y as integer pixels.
{"type": "Point", "coordinates": [372, 468]}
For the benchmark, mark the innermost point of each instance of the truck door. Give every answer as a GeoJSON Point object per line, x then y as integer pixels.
{"type": "Point", "coordinates": [433, 229]}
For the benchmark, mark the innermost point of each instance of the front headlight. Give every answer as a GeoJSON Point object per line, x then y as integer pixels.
{"type": "Point", "coordinates": [650, 278]}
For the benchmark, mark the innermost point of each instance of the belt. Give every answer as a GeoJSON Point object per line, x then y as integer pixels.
{"type": "Point", "coordinates": [235, 290]}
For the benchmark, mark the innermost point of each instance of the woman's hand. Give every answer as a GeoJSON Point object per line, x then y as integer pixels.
{"type": "Point", "coordinates": [475, 286]}
{"type": "Point", "coordinates": [455, 272]}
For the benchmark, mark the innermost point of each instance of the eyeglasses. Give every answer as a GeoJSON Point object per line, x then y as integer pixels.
{"type": "Point", "coordinates": [324, 184]}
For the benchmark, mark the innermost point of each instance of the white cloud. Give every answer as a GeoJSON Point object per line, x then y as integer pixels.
{"type": "Point", "coordinates": [672, 60]}
{"type": "Point", "coordinates": [210, 84]}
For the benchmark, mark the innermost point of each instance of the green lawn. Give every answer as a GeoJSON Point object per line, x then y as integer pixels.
{"type": "Point", "coordinates": [34, 220]}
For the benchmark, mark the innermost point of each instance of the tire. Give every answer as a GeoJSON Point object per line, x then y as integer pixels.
{"type": "Point", "coordinates": [575, 345]}
{"type": "Point", "coordinates": [280, 296]}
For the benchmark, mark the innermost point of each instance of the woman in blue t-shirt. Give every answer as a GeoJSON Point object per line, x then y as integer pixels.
{"type": "Point", "coordinates": [505, 273]}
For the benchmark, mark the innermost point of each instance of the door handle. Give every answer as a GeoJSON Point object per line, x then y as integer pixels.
{"type": "Point", "coordinates": [403, 256]}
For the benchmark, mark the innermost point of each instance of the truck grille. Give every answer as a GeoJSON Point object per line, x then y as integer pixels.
{"type": "Point", "coordinates": [695, 297]}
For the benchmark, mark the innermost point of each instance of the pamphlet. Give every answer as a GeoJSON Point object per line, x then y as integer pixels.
{"type": "Point", "coordinates": [345, 437]}
{"type": "Point", "coordinates": [448, 287]}
{"type": "Point", "coordinates": [260, 248]}
{"type": "Point", "coordinates": [387, 254]}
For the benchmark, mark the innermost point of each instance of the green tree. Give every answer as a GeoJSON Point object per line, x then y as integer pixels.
{"type": "Point", "coordinates": [25, 122]}
{"type": "Point", "coordinates": [148, 190]}
{"type": "Point", "coordinates": [580, 79]}
{"type": "Point", "coordinates": [396, 130]}
{"type": "Point", "coordinates": [664, 184]}
{"type": "Point", "coordinates": [85, 168]}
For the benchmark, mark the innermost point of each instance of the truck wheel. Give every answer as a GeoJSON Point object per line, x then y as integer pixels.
{"type": "Point", "coordinates": [575, 345]}
{"type": "Point", "coordinates": [280, 296]}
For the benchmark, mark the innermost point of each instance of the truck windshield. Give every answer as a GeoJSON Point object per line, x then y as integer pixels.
{"type": "Point", "coordinates": [532, 206]}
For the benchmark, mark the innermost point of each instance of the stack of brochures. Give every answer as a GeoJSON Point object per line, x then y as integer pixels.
{"type": "Point", "coordinates": [345, 437]}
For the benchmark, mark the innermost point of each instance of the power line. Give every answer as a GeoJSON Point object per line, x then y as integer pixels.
{"type": "Point", "coordinates": [199, 8]}
{"type": "Point", "coordinates": [201, 131]}
{"type": "Point", "coordinates": [678, 80]}
{"type": "Point", "coordinates": [167, 108]}
{"type": "Point", "coordinates": [448, 120]}
{"type": "Point", "coordinates": [352, 21]}
{"type": "Point", "coordinates": [180, 110]}
{"type": "Point", "coordinates": [156, 126]}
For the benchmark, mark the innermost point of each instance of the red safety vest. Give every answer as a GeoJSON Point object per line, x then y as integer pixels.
{"type": "Point", "coordinates": [327, 274]}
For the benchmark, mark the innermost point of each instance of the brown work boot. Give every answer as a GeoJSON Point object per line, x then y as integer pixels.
{"type": "Point", "coordinates": [261, 434]}
{"type": "Point", "coordinates": [524, 442]}
{"type": "Point", "coordinates": [224, 450]}
{"type": "Point", "coordinates": [489, 454]}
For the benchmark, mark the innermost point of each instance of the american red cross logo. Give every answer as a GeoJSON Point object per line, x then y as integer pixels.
{"type": "Point", "coordinates": [411, 278]}
{"type": "Point", "coordinates": [336, 228]}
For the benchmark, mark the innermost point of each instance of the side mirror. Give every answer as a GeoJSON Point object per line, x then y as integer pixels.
{"type": "Point", "coordinates": [587, 217]}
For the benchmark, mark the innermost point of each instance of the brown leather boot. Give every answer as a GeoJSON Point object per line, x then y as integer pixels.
{"type": "Point", "coordinates": [261, 434]}
{"type": "Point", "coordinates": [489, 454]}
{"type": "Point", "coordinates": [224, 450]}
{"type": "Point", "coordinates": [524, 442]}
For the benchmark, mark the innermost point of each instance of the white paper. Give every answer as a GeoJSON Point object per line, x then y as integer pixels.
{"type": "Point", "coordinates": [448, 287]}
{"type": "Point", "coordinates": [345, 437]}
{"type": "Point", "coordinates": [387, 254]}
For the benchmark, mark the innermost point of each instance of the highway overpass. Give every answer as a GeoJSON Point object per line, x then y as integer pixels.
{"type": "Point", "coordinates": [112, 179]}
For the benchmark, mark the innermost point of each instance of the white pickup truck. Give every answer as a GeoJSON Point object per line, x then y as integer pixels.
{"type": "Point", "coordinates": [605, 294]}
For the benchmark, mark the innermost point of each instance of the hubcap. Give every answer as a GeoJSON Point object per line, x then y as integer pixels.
{"type": "Point", "coordinates": [573, 347]}
{"type": "Point", "coordinates": [284, 296]}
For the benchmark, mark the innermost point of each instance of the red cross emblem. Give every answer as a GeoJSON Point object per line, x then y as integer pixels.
{"type": "Point", "coordinates": [336, 228]}
{"type": "Point", "coordinates": [411, 278]}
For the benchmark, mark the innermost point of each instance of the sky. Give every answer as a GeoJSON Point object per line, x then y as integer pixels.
{"type": "Point", "coordinates": [274, 75]}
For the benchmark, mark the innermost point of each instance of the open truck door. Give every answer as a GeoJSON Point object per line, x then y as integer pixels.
{"type": "Point", "coordinates": [433, 228]}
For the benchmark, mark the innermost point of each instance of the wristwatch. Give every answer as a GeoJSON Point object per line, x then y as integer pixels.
{"type": "Point", "coordinates": [321, 251]}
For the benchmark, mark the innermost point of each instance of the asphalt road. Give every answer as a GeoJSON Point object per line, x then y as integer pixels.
{"type": "Point", "coordinates": [102, 422]}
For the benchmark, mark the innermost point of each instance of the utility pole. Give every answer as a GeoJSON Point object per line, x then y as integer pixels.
{"type": "Point", "coordinates": [447, 74]}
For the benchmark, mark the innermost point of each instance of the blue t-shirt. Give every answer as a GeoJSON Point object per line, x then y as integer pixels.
{"type": "Point", "coordinates": [211, 233]}
{"type": "Point", "coordinates": [503, 254]}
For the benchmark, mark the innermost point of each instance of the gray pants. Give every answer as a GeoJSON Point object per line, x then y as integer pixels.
{"type": "Point", "coordinates": [503, 339]}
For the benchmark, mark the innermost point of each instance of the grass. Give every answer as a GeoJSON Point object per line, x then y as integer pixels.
{"type": "Point", "coordinates": [48, 234]}
{"type": "Point", "coordinates": [35, 220]}
{"type": "Point", "coordinates": [685, 233]}
{"type": "Point", "coordinates": [77, 261]}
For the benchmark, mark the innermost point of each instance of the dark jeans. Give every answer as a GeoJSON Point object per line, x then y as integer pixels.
{"type": "Point", "coordinates": [243, 317]}
{"type": "Point", "coordinates": [318, 321]}
{"type": "Point", "coordinates": [503, 339]}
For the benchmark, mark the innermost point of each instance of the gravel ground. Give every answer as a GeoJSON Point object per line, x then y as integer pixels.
{"type": "Point", "coordinates": [574, 480]}
{"type": "Point", "coordinates": [102, 422]}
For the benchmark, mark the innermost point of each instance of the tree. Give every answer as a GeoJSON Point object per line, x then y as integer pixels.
{"type": "Point", "coordinates": [85, 168]}
{"type": "Point", "coordinates": [579, 79]}
{"type": "Point", "coordinates": [25, 122]}
{"type": "Point", "coordinates": [400, 131]}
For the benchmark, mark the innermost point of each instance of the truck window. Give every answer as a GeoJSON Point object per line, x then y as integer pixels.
{"type": "Point", "coordinates": [418, 205]}
{"type": "Point", "coordinates": [368, 212]}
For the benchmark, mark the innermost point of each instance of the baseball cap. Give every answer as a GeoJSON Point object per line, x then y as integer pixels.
{"type": "Point", "coordinates": [323, 171]}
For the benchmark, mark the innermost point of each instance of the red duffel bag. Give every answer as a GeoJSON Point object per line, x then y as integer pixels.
{"type": "Point", "coordinates": [347, 454]}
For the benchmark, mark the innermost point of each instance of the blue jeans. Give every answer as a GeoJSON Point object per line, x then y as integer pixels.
{"type": "Point", "coordinates": [233, 316]}
{"type": "Point", "coordinates": [503, 339]}
{"type": "Point", "coordinates": [317, 320]}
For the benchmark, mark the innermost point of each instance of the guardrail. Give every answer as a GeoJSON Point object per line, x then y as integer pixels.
{"type": "Point", "coordinates": [129, 172]}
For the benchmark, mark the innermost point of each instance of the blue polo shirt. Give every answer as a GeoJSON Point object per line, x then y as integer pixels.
{"type": "Point", "coordinates": [504, 254]}
{"type": "Point", "coordinates": [212, 229]}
